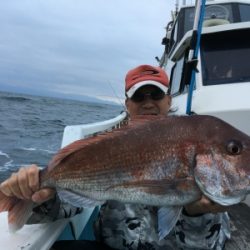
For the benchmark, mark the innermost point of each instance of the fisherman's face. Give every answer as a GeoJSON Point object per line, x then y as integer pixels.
{"type": "Point", "coordinates": [148, 100]}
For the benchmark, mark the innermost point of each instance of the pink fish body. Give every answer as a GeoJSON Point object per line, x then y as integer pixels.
{"type": "Point", "coordinates": [160, 161]}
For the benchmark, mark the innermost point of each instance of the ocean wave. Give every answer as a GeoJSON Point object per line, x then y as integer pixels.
{"type": "Point", "coordinates": [15, 98]}
{"type": "Point", "coordinates": [4, 154]}
{"type": "Point", "coordinates": [5, 161]}
{"type": "Point", "coordinates": [29, 149]}
{"type": "Point", "coordinates": [8, 164]}
{"type": "Point", "coordinates": [55, 121]}
{"type": "Point", "coordinates": [7, 169]}
{"type": "Point", "coordinates": [38, 149]}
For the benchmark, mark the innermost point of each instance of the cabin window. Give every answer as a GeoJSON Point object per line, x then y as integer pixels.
{"type": "Point", "coordinates": [225, 57]}
{"type": "Point", "coordinates": [173, 38]}
{"type": "Point", "coordinates": [244, 12]}
{"type": "Point", "coordinates": [233, 12]}
{"type": "Point", "coordinates": [220, 11]}
{"type": "Point", "coordinates": [188, 20]}
{"type": "Point", "coordinates": [176, 76]}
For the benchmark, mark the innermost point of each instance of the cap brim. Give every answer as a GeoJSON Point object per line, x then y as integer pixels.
{"type": "Point", "coordinates": [138, 85]}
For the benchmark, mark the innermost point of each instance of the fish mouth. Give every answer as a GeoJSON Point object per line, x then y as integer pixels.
{"type": "Point", "coordinates": [225, 200]}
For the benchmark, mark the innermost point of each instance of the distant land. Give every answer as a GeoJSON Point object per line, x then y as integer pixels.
{"type": "Point", "coordinates": [58, 95]}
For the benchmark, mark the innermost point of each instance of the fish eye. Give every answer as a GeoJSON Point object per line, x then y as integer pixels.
{"type": "Point", "coordinates": [234, 147]}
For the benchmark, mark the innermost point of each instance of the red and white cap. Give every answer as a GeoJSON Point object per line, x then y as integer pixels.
{"type": "Point", "coordinates": [145, 75]}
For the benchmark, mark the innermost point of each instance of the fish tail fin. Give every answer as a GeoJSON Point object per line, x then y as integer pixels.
{"type": "Point", "coordinates": [6, 202]}
{"type": "Point", "coordinates": [18, 211]}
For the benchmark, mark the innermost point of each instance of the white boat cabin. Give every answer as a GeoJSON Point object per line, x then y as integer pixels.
{"type": "Point", "coordinates": [222, 83]}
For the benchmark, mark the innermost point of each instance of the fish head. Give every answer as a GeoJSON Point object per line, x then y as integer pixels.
{"type": "Point", "coordinates": [222, 172]}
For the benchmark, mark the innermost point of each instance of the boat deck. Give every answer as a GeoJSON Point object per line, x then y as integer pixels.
{"type": "Point", "coordinates": [240, 227]}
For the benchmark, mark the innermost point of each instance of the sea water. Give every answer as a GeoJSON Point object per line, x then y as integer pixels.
{"type": "Point", "coordinates": [31, 127]}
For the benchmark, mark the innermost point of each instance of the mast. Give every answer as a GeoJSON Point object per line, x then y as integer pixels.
{"type": "Point", "coordinates": [176, 6]}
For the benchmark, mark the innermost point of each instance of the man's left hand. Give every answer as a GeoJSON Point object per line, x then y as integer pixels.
{"type": "Point", "coordinates": [203, 206]}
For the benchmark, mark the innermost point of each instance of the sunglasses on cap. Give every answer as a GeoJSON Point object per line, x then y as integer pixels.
{"type": "Point", "coordinates": [155, 95]}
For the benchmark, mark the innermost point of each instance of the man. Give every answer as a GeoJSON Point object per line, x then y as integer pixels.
{"type": "Point", "coordinates": [130, 226]}
{"type": "Point", "coordinates": [202, 224]}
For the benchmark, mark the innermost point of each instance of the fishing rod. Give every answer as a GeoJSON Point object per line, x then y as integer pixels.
{"type": "Point", "coordinates": [116, 95]}
{"type": "Point", "coordinates": [194, 49]}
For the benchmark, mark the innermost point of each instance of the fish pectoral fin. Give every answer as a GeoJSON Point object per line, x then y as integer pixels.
{"type": "Point", "coordinates": [167, 219]}
{"type": "Point", "coordinates": [77, 200]}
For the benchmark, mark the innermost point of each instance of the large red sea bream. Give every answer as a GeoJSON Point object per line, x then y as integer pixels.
{"type": "Point", "coordinates": [157, 161]}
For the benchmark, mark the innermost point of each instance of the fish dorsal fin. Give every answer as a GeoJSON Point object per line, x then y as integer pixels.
{"type": "Point", "coordinates": [69, 149]}
{"type": "Point", "coordinates": [138, 121]}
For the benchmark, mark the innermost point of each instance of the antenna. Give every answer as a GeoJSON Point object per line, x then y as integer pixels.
{"type": "Point", "coordinates": [176, 6]}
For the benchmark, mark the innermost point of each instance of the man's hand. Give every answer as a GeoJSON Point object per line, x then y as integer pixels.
{"type": "Point", "coordinates": [203, 206]}
{"type": "Point", "coordinates": [25, 185]}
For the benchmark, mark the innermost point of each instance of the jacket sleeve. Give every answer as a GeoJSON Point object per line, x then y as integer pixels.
{"type": "Point", "coordinates": [52, 210]}
{"type": "Point", "coordinates": [207, 231]}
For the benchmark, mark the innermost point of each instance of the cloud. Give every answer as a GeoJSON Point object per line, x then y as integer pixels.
{"type": "Point", "coordinates": [78, 46]}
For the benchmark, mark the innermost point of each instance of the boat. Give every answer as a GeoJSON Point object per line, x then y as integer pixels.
{"type": "Point", "coordinates": [222, 78]}
{"type": "Point", "coordinates": [220, 74]}
{"type": "Point", "coordinates": [222, 89]}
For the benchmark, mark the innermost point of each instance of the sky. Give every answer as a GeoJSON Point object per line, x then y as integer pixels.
{"type": "Point", "coordinates": [75, 48]}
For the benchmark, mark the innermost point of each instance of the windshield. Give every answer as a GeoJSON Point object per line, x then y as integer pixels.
{"type": "Point", "coordinates": [223, 11]}
{"type": "Point", "coordinates": [232, 12]}
{"type": "Point", "coordinates": [225, 57]}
